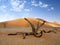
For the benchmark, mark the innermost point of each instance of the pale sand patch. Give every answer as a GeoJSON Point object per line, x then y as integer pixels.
{"type": "Point", "coordinates": [46, 39]}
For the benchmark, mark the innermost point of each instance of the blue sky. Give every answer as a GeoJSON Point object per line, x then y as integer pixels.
{"type": "Point", "coordinates": [46, 9]}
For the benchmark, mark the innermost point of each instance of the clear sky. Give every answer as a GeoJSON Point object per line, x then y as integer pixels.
{"type": "Point", "coordinates": [46, 9]}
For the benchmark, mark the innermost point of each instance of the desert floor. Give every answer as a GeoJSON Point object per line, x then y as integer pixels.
{"type": "Point", "coordinates": [46, 39]}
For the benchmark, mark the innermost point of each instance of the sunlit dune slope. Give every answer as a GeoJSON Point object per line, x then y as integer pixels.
{"type": "Point", "coordinates": [54, 24]}
{"type": "Point", "coordinates": [18, 22]}
{"type": "Point", "coordinates": [23, 23]}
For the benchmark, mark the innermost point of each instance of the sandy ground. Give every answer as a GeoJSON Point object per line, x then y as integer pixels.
{"type": "Point", "coordinates": [46, 39]}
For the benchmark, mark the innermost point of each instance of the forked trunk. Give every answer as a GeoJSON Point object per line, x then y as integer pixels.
{"type": "Point", "coordinates": [34, 31]}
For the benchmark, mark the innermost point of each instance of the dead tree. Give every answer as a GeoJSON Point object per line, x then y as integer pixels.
{"type": "Point", "coordinates": [34, 31]}
{"type": "Point", "coordinates": [12, 34]}
{"type": "Point", "coordinates": [38, 24]}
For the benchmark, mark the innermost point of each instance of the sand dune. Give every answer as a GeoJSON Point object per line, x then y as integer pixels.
{"type": "Point", "coordinates": [20, 25]}
{"type": "Point", "coordinates": [23, 23]}
{"type": "Point", "coordinates": [54, 24]}
{"type": "Point", "coordinates": [18, 22]}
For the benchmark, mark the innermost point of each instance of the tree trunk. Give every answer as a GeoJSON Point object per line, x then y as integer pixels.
{"type": "Point", "coordinates": [33, 28]}
{"type": "Point", "coordinates": [34, 31]}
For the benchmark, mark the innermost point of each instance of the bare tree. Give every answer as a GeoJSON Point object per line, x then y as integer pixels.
{"type": "Point", "coordinates": [38, 24]}
{"type": "Point", "coordinates": [34, 31]}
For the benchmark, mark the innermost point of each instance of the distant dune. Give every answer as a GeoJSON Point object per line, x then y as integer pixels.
{"type": "Point", "coordinates": [54, 24]}
{"type": "Point", "coordinates": [18, 22]}
{"type": "Point", "coordinates": [23, 23]}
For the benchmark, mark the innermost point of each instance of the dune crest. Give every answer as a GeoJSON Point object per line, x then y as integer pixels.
{"type": "Point", "coordinates": [22, 23]}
